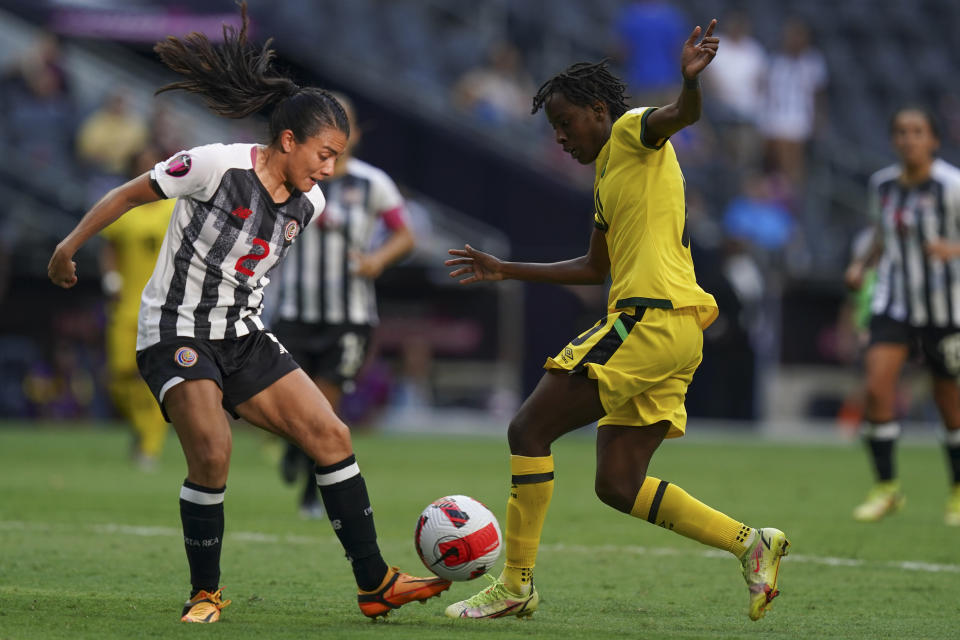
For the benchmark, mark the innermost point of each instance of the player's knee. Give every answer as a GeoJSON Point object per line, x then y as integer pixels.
{"type": "Point", "coordinates": [322, 438]}
{"type": "Point", "coordinates": [879, 401]}
{"type": "Point", "coordinates": [211, 461]}
{"type": "Point", "coordinates": [619, 493]}
{"type": "Point", "coordinates": [524, 438]}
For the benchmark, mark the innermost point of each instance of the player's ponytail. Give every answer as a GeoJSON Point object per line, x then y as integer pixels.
{"type": "Point", "coordinates": [236, 80]}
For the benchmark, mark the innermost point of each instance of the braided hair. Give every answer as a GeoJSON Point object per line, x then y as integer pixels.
{"type": "Point", "coordinates": [583, 84]}
{"type": "Point", "coordinates": [236, 80]}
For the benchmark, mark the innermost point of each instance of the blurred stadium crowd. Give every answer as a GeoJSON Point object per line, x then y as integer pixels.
{"type": "Point", "coordinates": [796, 108]}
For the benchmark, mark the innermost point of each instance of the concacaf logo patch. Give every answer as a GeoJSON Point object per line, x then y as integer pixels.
{"type": "Point", "coordinates": [179, 166]}
{"type": "Point", "coordinates": [185, 357]}
{"type": "Point", "coordinates": [291, 230]}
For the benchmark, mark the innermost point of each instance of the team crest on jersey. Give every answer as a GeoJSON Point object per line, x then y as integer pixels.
{"type": "Point", "coordinates": [291, 230]}
{"type": "Point", "coordinates": [185, 357]}
{"type": "Point", "coordinates": [179, 166]}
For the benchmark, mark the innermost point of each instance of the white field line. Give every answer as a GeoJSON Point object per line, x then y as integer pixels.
{"type": "Point", "coordinates": [269, 538]}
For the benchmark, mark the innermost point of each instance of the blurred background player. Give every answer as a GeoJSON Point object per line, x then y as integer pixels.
{"type": "Point", "coordinates": [327, 307]}
{"type": "Point", "coordinates": [916, 300]}
{"type": "Point", "coordinates": [127, 261]}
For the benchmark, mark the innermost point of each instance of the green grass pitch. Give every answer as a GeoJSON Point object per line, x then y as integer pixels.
{"type": "Point", "coordinates": [91, 548]}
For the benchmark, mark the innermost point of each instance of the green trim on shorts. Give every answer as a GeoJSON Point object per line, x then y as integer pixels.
{"type": "Point", "coordinates": [621, 330]}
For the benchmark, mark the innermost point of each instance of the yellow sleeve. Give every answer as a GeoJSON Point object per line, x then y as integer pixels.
{"type": "Point", "coordinates": [629, 130]}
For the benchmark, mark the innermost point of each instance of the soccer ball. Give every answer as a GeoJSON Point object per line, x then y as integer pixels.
{"type": "Point", "coordinates": [457, 538]}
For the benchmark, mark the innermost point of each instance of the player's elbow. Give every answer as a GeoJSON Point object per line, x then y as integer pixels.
{"type": "Point", "coordinates": [596, 273]}
{"type": "Point", "coordinates": [408, 240]}
{"type": "Point", "coordinates": [690, 118]}
{"type": "Point", "coordinates": [598, 278]}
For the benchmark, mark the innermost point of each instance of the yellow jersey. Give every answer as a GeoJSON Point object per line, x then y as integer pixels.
{"type": "Point", "coordinates": [136, 239]}
{"type": "Point", "coordinates": [640, 207]}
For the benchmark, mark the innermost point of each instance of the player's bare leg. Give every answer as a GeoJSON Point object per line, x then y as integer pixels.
{"type": "Point", "coordinates": [946, 393]}
{"type": "Point", "coordinates": [294, 461]}
{"type": "Point", "coordinates": [884, 361]}
{"type": "Point", "coordinates": [560, 403]}
{"type": "Point", "coordinates": [622, 482]}
{"type": "Point", "coordinates": [294, 407]}
{"type": "Point", "coordinates": [194, 407]}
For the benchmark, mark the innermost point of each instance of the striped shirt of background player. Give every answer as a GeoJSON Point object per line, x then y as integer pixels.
{"type": "Point", "coordinates": [911, 286]}
{"type": "Point", "coordinates": [318, 284]}
{"type": "Point", "coordinates": [225, 235]}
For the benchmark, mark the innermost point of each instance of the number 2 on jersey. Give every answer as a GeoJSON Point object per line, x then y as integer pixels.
{"type": "Point", "coordinates": [257, 242]}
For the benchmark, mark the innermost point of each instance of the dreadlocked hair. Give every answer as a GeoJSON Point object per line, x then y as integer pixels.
{"type": "Point", "coordinates": [235, 80]}
{"type": "Point", "coordinates": [583, 84]}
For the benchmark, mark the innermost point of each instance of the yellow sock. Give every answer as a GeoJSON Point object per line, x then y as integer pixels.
{"type": "Point", "coordinates": [670, 507]}
{"type": "Point", "coordinates": [531, 488]}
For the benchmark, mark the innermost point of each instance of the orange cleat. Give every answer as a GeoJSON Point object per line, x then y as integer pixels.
{"type": "Point", "coordinates": [204, 607]}
{"type": "Point", "coordinates": [396, 590]}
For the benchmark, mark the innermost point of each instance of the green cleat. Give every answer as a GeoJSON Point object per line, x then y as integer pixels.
{"type": "Point", "coordinates": [952, 515]}
{"type": "Point", "coordinates": [495, 602]}
{"type": "Point", "coordinates": [761, 563]}
{"type": "Point", "coordinates": [885, 498]}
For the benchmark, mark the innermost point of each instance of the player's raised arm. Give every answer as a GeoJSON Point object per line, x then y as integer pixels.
{"type": "Point", "coordinates": [61, 269]}
{"type": "Point", "coordinates": [666, 121]}
{"type": "Point", "coordinates": [478, 266]}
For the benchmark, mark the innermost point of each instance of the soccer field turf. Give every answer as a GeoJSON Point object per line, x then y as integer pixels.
{"type": "Point", "coordinates": [91, 548]}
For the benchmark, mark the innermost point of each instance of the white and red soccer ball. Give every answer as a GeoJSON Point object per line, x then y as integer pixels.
{"type": "Point", "coordinates": [457, 538]}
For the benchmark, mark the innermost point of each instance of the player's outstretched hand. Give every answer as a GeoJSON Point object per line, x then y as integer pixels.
{"type": "Point", "coordinates": [61, 269]}
{"type": "Point", "coordinates": [696, 56]}
{"type": "Point", "coordinates": [478, 266]}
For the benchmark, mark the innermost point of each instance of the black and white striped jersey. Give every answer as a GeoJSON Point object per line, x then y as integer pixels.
{"type": "Point", "coordinates": [912, 286]}
{"type": "Point", "coordinates": [225, 236]}
{"type": "Point", "coordinates": [318, 285]}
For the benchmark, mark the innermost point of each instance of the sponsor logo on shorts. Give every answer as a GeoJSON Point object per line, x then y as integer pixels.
{"type": "Point", "coordinates": [179, 166]}
{"type": "Point", "coordinates": [291, 230]}
{"type": "Point", "coordinates": [567, 353]}
{"type": "Point", "coordinates": [185, 357]}
{"type": "Point", "coordinates": [274, 338]}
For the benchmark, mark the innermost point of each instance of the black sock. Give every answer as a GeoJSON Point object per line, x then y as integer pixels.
{"type": "Point", "coordinates": [952, 445]}
{"type": "Point", "coordinates": [201, 512]}
{"type": "Point", "coordinates": [348, 507]}
{"type": "Point", "coordinates": [881, 439]}
{"type": "Point", "coordinates": [882, 453]}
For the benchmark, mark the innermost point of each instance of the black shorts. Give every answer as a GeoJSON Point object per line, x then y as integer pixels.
{"type": "Point", "coordinates": [241, 367]}
{"type": "Point", "coordinates": [940, 346]}
{"type": "Point", "coordinates": [332, 352]}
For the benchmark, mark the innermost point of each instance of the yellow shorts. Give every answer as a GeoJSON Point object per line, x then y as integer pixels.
{"type": "Point", "coordinates": [643, 359]}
